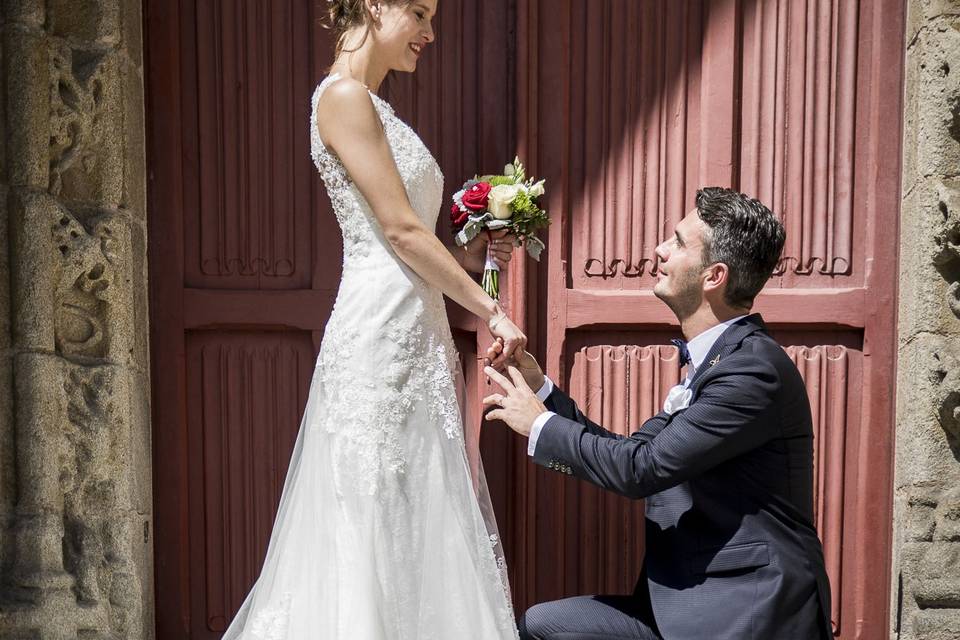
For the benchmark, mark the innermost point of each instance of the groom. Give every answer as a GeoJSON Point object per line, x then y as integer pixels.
{"type": "Point", "coordinates": [726, 468]}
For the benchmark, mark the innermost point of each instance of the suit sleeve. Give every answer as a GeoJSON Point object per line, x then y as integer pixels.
{"type": "Point", "coordinates": [734, 413]}
{"type": "Point", "coordinates": [564, 406]}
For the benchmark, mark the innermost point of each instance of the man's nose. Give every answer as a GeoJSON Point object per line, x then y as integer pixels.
{"type": "Point", "coordinates": [661, 252]}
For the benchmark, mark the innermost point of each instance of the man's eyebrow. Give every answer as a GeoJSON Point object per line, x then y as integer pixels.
{"type": "Point", "coordinates": [423, 6]}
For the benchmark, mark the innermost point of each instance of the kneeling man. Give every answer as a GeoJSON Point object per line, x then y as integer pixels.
{"type": "Point", "coordinates": [726, 468]}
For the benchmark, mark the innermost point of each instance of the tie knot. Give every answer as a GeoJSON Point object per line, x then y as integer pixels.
{"type": "Point", "coordinates": [681, 346]}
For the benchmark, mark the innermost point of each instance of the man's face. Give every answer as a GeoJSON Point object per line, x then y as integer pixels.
{"type": "Point", "coordinates": [679, 283]}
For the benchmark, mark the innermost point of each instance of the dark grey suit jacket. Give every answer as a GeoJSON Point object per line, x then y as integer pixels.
{"type": "Point", "coordinates": [731, 547]}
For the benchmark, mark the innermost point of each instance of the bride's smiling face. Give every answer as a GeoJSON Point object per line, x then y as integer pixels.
{"type": "Point", "coordinates": [403, 32]}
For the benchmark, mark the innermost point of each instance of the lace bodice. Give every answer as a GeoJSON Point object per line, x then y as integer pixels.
{"type": "Point", "coordinates": [387, 346]}
{"type": "Point", "coordinates": [421, 176]}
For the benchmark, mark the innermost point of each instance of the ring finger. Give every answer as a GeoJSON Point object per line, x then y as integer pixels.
{"type": "Point", "coordinates": [495, 399]}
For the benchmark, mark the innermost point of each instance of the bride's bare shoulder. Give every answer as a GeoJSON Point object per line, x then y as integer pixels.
{"type": "Point", "coordinates": [343, 106]}
{"type": "Point", "coordinates": [344, 95]}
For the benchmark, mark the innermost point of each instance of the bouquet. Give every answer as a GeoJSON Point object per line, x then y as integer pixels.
{"type": "Point", "coordinates": [495, 202]}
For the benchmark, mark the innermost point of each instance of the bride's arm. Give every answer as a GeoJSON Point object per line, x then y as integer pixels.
{"type": "Point", "coordinates": [349, 125]}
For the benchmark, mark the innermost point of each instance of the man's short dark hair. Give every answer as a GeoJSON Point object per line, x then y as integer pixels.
{"type": "Point", "coordinates": [744, 235]}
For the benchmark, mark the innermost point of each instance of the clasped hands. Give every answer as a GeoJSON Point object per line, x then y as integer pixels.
{"type": "Point", "coordinates": [518, 406]}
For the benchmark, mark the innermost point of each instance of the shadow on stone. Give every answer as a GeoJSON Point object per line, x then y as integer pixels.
{"type": "Point", "coordinates": [955, 117]}
{"type": "Point", "coordinates": [946, 256]}
{"type": "Point", "coordinates": [950, 421]}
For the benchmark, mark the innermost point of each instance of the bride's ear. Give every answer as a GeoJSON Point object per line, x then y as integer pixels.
{"type": "Point", "coordinates": [374, 9]}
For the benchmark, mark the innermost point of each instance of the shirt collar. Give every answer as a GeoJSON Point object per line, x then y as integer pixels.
{"type": "Point", "coordinates": [700, 346]}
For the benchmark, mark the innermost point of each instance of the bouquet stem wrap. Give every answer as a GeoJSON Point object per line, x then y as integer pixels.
{"type": "Point", "coordinates": [491, 276]}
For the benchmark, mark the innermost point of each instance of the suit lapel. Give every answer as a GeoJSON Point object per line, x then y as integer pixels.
{"type": "Point", "coordinates": [726, 343]}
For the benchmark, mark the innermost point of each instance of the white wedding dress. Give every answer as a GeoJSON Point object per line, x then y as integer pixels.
{"type": "Point", "coordinates": [383, 532]}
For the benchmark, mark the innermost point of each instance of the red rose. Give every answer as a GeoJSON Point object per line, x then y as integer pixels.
{"type": "Point", "coordinates": [458, 217]}
{"type": "Point", "coordinates": [475, 198]}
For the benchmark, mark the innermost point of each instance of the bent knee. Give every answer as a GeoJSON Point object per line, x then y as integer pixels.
{"type": "Point", "coordinates": [540, 621]}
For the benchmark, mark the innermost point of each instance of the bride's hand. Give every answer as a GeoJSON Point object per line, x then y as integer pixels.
{"type": "Point", "coordinates": [502, 327]}
{"type": "Point", "coordinates": [525, 363]}
{"type": "Point", "coordinates": [501, 250]}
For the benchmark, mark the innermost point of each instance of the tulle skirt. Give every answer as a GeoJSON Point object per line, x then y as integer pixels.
{"type": "Point", "coordinates": [364, 549]}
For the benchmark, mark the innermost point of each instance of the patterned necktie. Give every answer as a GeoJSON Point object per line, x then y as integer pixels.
{"type": "Point", "coordinates": [681, 346]}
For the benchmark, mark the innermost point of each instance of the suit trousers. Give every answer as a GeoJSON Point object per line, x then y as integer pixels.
{"type": "Point", "coordinates": [593, 618]}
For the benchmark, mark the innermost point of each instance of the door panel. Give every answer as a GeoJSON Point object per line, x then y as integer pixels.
{"type": "Point", "coordinates": [244, 260]}
{"type": "Point", "coordinates": [629, 108]}
{"type": "Point", "coordinates": [798, 123]}
{"type": "Point", "coordinates": [245, 395]}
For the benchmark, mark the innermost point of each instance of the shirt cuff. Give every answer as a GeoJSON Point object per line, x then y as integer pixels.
{"type": "Point", "coordinates": [545, 390]}
{"type": "Point", "coordinates": [536, 429]}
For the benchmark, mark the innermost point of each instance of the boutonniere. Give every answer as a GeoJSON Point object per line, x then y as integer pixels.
{"type": "Point", "coordinates": [678, 399]}
{"type": "Point", "coordinates": [715, 361]}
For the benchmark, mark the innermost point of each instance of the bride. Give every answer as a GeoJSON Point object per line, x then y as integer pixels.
{"type": "Point", "coordinates": [382, 532]}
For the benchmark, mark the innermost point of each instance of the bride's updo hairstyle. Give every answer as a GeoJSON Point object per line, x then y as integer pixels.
{"type": "Point", "coordinates": [344, 15]}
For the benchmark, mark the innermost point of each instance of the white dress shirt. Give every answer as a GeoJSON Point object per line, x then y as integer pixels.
{"type": "Point", "coordinates": [698, 347]}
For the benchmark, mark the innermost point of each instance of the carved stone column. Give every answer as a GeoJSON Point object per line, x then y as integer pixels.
{"type": "Point", "coordinates": [926, 589]}
{"type": "Point", "coordinates": [75, 496]}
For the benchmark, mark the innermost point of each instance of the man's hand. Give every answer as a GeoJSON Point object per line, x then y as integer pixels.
{"type": "Point", "coordinates": [523, 361]}
{"type": "Point", "coordinates": [520, 407]}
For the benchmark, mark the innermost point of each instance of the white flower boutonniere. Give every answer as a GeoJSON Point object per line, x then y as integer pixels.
{"type": "Point", "coordinates": [678, 399]}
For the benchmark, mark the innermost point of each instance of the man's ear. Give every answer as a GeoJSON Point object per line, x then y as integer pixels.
{"type": "Point", "coordinates": [717, 277]}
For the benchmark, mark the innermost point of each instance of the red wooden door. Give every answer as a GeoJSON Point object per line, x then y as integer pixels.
{"type": "Point", "coordinates": [626, 108]}
{"type": "Point", "coordinates": [244, 263]}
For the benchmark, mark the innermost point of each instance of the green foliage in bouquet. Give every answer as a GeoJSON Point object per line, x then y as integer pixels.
{"type": "Point", "coordinates": [498, 180]}
{"type": "Point", "coordinates": [527, 216]}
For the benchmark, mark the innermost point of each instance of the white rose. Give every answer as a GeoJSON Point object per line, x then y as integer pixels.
{"type": "Point", "coordinates": [509, 170]}
{"type": "Point", "coordinates": [500, 198]}
{"type": "Point", "coordinates": [537, 190]}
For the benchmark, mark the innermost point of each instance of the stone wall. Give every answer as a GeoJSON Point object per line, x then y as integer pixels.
{"type": "Point", "coordinates": [926, 586]}
{"type": "Point", "coordinates": [75, 464]}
